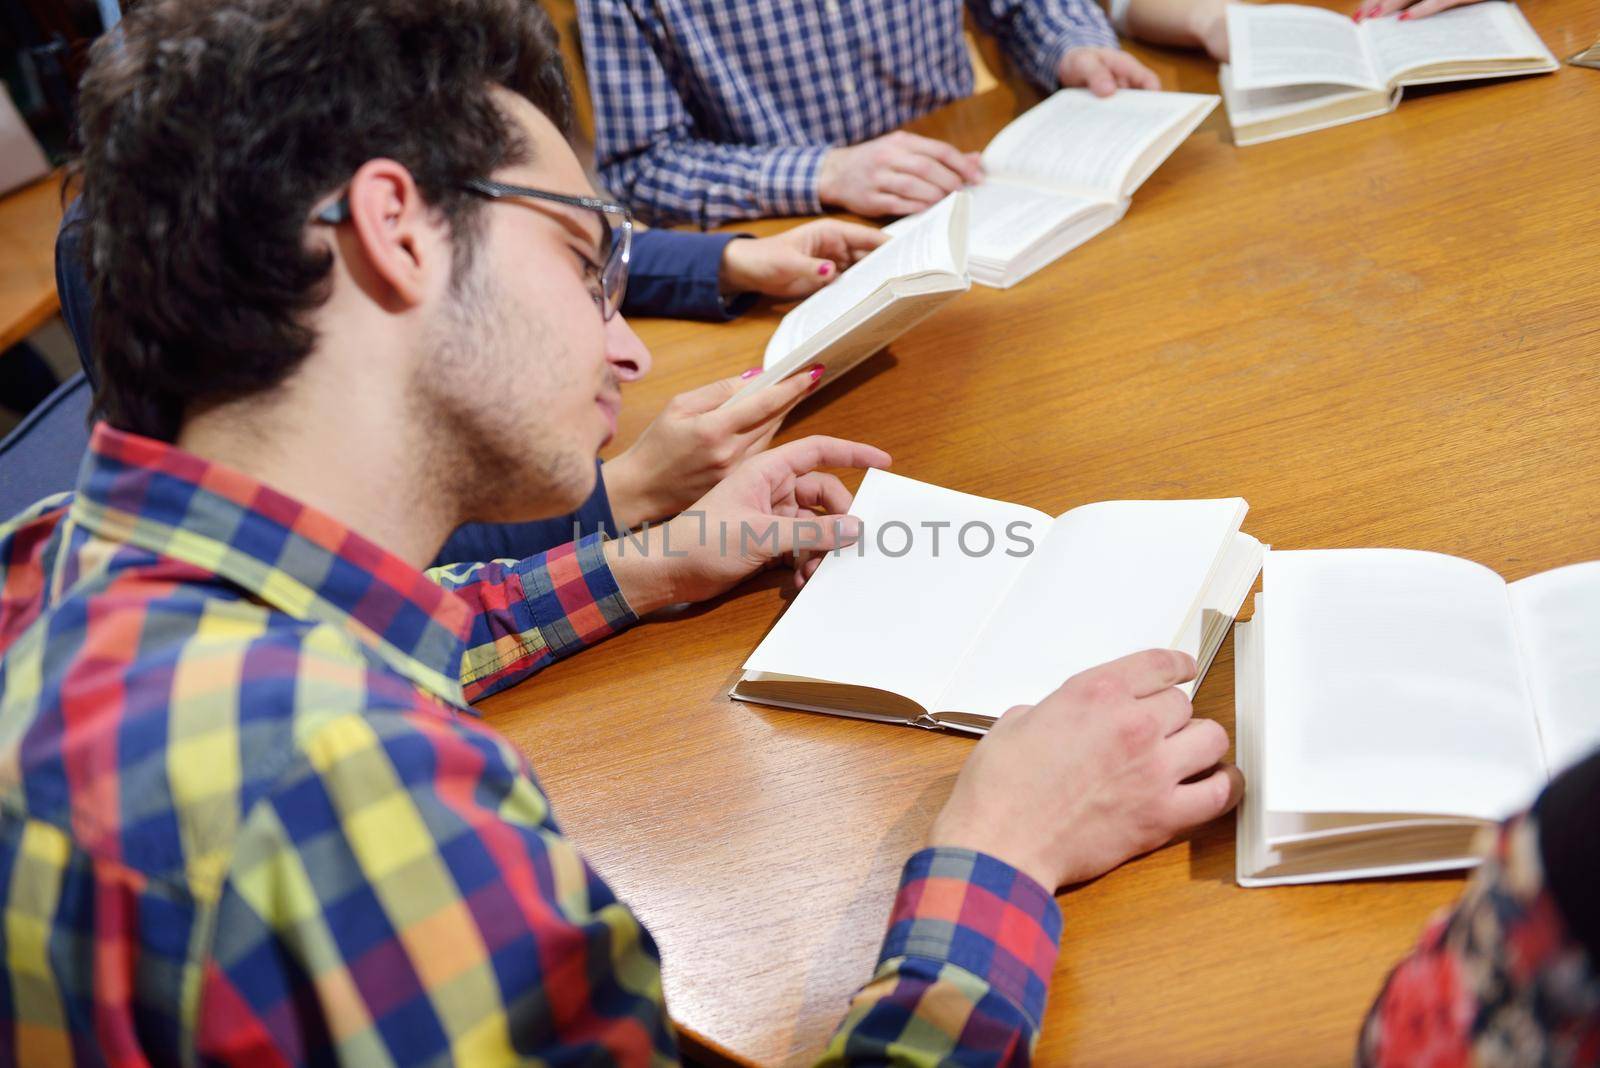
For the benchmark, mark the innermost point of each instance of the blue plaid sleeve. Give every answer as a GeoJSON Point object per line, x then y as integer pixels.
{"type": "Point", "coordinates": [1037, 33]}
{"type": "Point", "coordinates": [963, 972]}
{"type": "Point", "coordinates": [529, 613]}
{"type": "Point", "coordinates": [650, 152]}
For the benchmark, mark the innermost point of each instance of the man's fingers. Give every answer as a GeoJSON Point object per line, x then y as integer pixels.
{"type": "Point", "coordinates": [1173, 708]}
{"type": "Point", "coordinates": [765, 405]}
{"type": "Point", "coordinates": [822, 490]}
{"type": "Point", "coordinates": [1194, 803]}
{"type": "Point", "coordinates": [805, 570]}
{"type": "Point", "coordinates": [1131, 73]}
{"type": "Point", "coordinates": [794, 458]}
{"type": "Point", "coordinates": [1101, 81]}
{"type": "Point", "coordinates": [816, 534]}
{"type": "Point", "coordinates": [1198, 746]}
{"type": "Point", "coordinates": [1153, 670]}
{"type": "Point", "coordinates": [931, 170]}
{"type": "Point", "coordinates": [910, 188]}
{"type": "Point", "coordinates": [964, 164]}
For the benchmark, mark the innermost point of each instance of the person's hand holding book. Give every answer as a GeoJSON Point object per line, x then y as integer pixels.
{"type": "Point", "coordinates": [1107, 767]}
{"type": "Point", "coordinates": [1408, 9]}
{"type": "Point", "coordinates": [1104, 70]}
{"type": "Point", "coordinates": [897, 174]}
{"type": "Point", "coordinates": [695, 443]}
{"type": "Point", "coordinates": [797, 262]}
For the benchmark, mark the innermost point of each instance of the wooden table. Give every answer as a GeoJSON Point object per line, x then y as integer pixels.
{"type": "Point", "coordinates": [29, 218]}
{"type": "Point", "coordinates": [1382, 334]}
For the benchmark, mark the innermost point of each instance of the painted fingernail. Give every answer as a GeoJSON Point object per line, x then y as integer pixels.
{"type": "Point", "coordinates": [825, 269]}
{"type": "Point", "coordinates": [816, 372]}
{"type": "Point", "coordinates": [1404, 15]}
{"type": "Point", "coordinates": [751, 373]}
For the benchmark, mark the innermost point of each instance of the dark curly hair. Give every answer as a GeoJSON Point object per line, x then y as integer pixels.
{"type": "Point", "coordinates": [212, 127]}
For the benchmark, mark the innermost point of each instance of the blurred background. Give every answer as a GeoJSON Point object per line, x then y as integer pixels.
{"type": "Point", "coordinates": [43, 48]}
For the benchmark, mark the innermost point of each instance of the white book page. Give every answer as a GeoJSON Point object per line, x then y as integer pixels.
{"type": "Point", "coordinates": [1558, 620]}
{"type": "Point", "coordinates": [1264, 105]}
{"type": "Point", "coordinates": [1110, 579]}
{"type": "Point", "coordinates": [1393, 685]}
{"type": "Point", "coordinates": [1272, 45]}
{"type": "Point", "coordinates": [1482, 31]}
{"type": "Point", "coordinates": [1092, 146]}
{"type": "Point", "coordinates": [1008, 217]}
{"type": "Point", "coordinates": [871, 616]}
{"type": "Point", "coordinates": [922, 248]}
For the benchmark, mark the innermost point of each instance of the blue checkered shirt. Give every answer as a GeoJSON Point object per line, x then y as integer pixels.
{"type": "Point", "coordinates": [707, 111]}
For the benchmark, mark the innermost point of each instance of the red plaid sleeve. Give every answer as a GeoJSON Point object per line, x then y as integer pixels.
{"type": "Point", "coordinates": [964, 969]}
{"type": "Point", "coordinates": [530, 613]}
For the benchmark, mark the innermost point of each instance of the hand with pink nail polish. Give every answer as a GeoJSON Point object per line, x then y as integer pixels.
{"type": "Point", "coordinates": [1407, 9]}
{"type": "Point", "coordinates": [798, 262]}
{"type": "Point", "coordinates": [695, 443]}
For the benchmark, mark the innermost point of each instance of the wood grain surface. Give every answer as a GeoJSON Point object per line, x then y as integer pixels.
{"type": "Point", "coordinates": [28, 221]}
{"type": "Point", "coordinates": [1382, 334]}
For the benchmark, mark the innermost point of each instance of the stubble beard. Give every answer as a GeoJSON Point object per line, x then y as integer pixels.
{"type": "Point", "coordinates": [494, 457]}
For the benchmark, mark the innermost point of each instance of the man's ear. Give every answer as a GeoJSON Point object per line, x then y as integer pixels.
{"type": "Point", "coordinates": [398, 235]}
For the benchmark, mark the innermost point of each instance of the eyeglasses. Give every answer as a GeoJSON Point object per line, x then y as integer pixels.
{"type": "Point", "coordinates": [608, 282]}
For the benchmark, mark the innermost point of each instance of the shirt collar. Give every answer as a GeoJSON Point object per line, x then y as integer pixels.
{"type": "Point", "coordinates": [300, 561]}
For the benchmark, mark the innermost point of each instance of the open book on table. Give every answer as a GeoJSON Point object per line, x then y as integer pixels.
{"type": "Point", "coordinates": [1064, 171]}
{"type": "Point", "coordinates": [953, 608]}
{"type": "Point", "coordinates": [1392, 703]}
{"type": "Point", "coordinates": [1296, 69]}
{"type": "Point", "coordinates": [892, 289]}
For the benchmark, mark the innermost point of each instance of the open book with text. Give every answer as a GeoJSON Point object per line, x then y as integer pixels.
{"type": "Point", "coordinates": [1064, 171]}
{"type": "Point", "coordinates": [953, 608]}
{"type": "Point", "coordinates": [1296, 69]}
{"type": "Point", "coordinates": [893, 288]}
{"type": "Point", "coordinates": [1393, 703]}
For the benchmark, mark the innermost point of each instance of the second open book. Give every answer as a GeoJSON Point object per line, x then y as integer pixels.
{"type": "Point", "coordinates": [1064, 171]}
{"type": "Point", "coordinates": [953, 608]}
{"type": "Point", "coordinates": [1296, 69]}
{"type": "Point", "coordinates": [1392, 703]}
{"type": "Point", "coordinates": [893, 288]}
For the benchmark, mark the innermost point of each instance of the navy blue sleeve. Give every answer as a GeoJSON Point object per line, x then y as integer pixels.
{"type": "Point", "coordinates": [516, 541]}
{"type": "Point", "coordinates": [72, 286]}
{"type": "Point", "coordinates": [679, 275]}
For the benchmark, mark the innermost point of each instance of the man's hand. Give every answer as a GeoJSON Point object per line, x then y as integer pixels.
{"type": "Point", "coordinates": [1094, 774]}
{"type": "Point", "coordinates": [1104, 71]}
{"type": "Point", "coordinates": [896, 174]}
{"type": "Point", "coordinates": [766, 511]}
{"type": "Point", "coordinates": [694, 443]}
{"type": "Point", "coordinates": [1408, 8]}
{"type": "Point", "coordinates": [798, 262]}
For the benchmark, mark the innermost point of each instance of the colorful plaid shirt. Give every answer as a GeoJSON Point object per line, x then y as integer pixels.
{"type": "Point", "coordinates": [245, 818]}
{"type": "Point", "coordinates": [707, 111]}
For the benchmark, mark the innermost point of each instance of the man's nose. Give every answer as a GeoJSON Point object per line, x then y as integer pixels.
{"type": "Point", "coordinates": [624, 351]}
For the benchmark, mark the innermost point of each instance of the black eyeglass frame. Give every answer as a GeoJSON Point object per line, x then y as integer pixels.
{"type": "Point", "coordinates": [616, 252]}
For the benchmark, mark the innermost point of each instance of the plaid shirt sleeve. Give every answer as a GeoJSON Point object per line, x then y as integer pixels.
{"type": "Point", "coordinates": [1037, 33]}
{"type": "Point", "coordinates": [1510, 974]}
{"type": "Point", "coordinates": [650, 152]}
{"type": "Point", "coordinates": [530, 613]}
{"type": "Point", "coordinates": [964, 969]}
{"type": "Point", "coordinates": [402, 896]}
